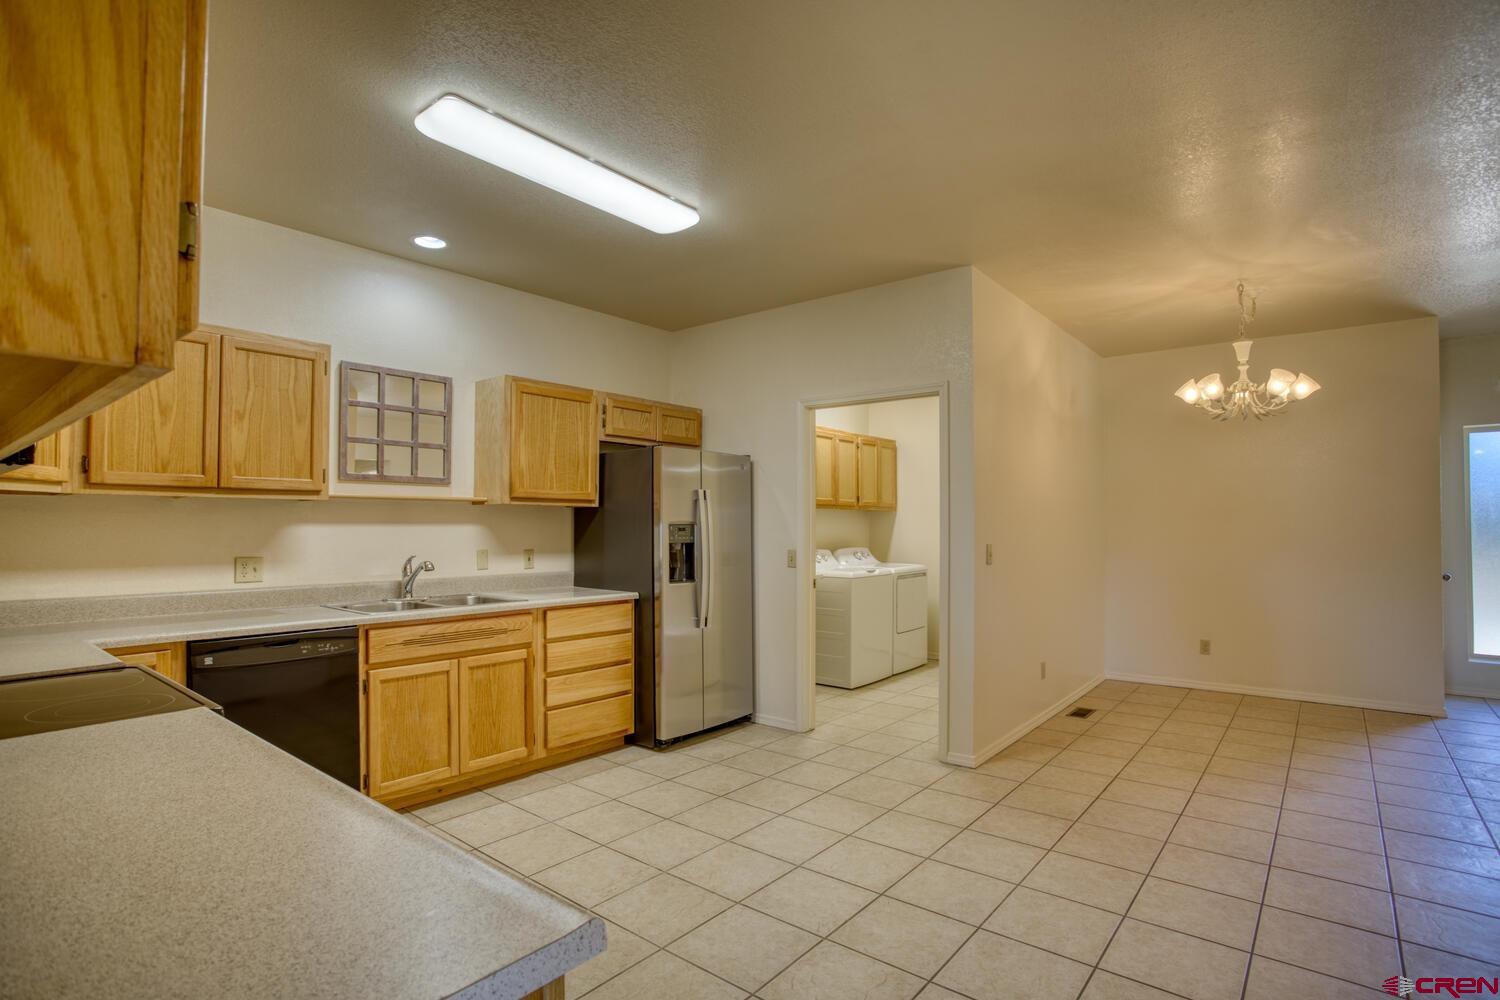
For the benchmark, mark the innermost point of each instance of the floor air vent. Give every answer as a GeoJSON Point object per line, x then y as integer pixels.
{"type": "Point", "coordinates": [1080, 713]}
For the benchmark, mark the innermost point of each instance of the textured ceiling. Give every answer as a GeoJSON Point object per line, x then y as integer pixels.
{"type": "Point", "coordinates": [1117, 165]}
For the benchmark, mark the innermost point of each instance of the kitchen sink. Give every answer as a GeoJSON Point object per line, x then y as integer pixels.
{"type": "Point", "coordinates": [385, 605]}
{"type": "Point", "coordinates": [468, 600]}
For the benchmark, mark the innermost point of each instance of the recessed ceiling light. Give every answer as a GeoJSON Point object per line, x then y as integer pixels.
{"type": "Point", "coordinates": [430, 242]}
{"type": "Point", "coordinates": [471, 129]}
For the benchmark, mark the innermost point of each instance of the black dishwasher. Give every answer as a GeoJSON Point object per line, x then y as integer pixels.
{"type": "Point", "coordinates": [297, 691]}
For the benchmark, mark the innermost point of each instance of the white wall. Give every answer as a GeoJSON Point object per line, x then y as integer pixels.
{"type": "Point", "coordinates": [1038, 456]}
{"type": "Point", "coordinates": [1305, 546]}
{"type": "Point", "coordinates": [752, 376]}
{"type": "Point", "coordinates": [1470, 396]}
{"type": "Point", "coordinates": [370, 307]}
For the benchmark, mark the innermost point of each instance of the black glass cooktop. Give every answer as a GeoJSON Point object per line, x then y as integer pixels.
{"type": "Point", "coordinates": [64, 701]}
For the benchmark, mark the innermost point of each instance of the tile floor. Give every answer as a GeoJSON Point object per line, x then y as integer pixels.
{"type": "Point", "coordinates": [1177, 843]}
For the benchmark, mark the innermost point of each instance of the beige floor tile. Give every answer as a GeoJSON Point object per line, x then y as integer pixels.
{"type": "Point", "coordinates": [992, 856]}
{"type": "Point", "coordinates": [714, 750]}
{"type": "Point", "coordinates": [1272, 980]}
{"type": "Point", "coordinates": [836, 812]}
{"type": "Point", "coordinates": [764, 761]}
{"type": "Point", "coordinates": [871, 866]}
{"type": "Point", "coordinates": [1068, 779]}
{"type": "Point", "coordinates": [1108, 986]}
{"type": "Point", "coordinates": [953, 892]}
{"type": "Point", "coordinates": [832, 972]}
{"type": "Point", "coordinates": [1333, 784]}
{"type": "Point", "coordinates": [1451, 888]}
{"type": "Point", "coordinates": [1226, 920]}
{"type": "Point", "coordinates": [724, 818]}
{"type": "Point", "coordinates": [817, 775]}
{"type": "Point", "coordinates": [903, 935]}
{"type": "Point", "coordinates": [1447, 929]}
{"type": "Point", "coordinates": [617, 781]}
{"type": "Point", "coordinates": [494, 822]}
{"type": "Point", "coordinates": [514, 789]}
{"type": "Point", "coordinates": [1084, 881]}
{"type": "Point", "coordinates": [932, 991]}
{"type": "Point", "coordinates": [1157, 774]}
{"type": "Point", "coordinates": [454, 807]}
{"type": "Point", "coordinates": [1188, 966]}
{"type": "Point", "coordinates": [1110, 847]}
{"type": "Point", "coordinates": [1214, 872]}
{"type": "Point", "coordinates": [1331, 862]}
{"type": "Point", "coordinates": [582, 768]}
{"type": "Point", "coordinates": [732, 870]}
{"type": "Point", "coordinates": [717, 779]}
{"type": "Point", "coordinates": [1442, 853]}
{"type": "Point", "coordinates": [913, 772]}
{"type": "Point", "coordinates": [1009, 768]}
{"type": "Point", "coordinates": [1422, 961]}
{"type": "Point", "coordinates": [744, 946]}
{"type": "Point", "coordinates": [1238, 788]}
{"type": "Point", "coordinates": [1022, 825]}
{"type": "Point", "coordinates": [1048, 801]}
{"type": "Point", "coordinates": [623, 950]}
{"type": "Point", "coordinates": [801, 747]}
{"type": "Point", "coordinates": [668, 765]}
{"type": "Point", "coordinates": [1080, 757]}
{"type": "Point", "coordinates": [905, 832]}
{"type": "Point", "coordinates": [1327, 830]}
{"type": "Point", "coordinates": [666, 798]}
{"type": "Point", "coordinates": [991, 967]}
{"type": "Point", "coordinates": [1270, 774]}
{"type": "Point", "coordinates": [852, 758]}
{"type": "Point", "coordinates": [876, 791]}
{"type": "Point", "coordinates": [944, 807]}
{"type": "Point", "coordinates": [984, 787]}
{"type": "Point", "coordinates": [773, 795]}
{"type": "Point", "coordinates": [540, 847]}
{"type": "Point", "coordinates": [609, 821]}
{"type": "Point", "coordinates": [1337, 806]}
{"type": "Point", "coordinates": [1223, 838]}
{"type": "Point", "coordinates": [1233, 811]}
{"type": "Point", "coordinates": [1138, 793]}
{"type": "Point", "coordinates": [788, 839]}
{"type": "Point", "coordinates": [1341, 902]}
{"type": "Point", "coordinates": [1058, 925]}
{"type": "Point", "coordinates": [1129, 819]}
{"type": "Point", "coordinates": [811, 901]}
{"type": "Point", "coordinates": [593, 877]}
{"type": "Point", "coordinates": [664, 976]}
{"type": "Point", "coordinates": [1470, 831]}
{"type": "Point", "coordinates": [1323, 946]}
{"type": "Point", "coordinates": [662, 909]}
{"type": "Point", "coordinates": [666, 844]}
{"type": "Point", "coordinates": [1185, 760]}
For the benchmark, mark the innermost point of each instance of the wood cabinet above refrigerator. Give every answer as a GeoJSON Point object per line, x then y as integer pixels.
{"type": "Point", "coordinates": [100, 179]}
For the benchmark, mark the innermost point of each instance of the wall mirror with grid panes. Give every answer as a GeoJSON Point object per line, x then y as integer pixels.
{"type": "Point", "coordinates": [394, 426]}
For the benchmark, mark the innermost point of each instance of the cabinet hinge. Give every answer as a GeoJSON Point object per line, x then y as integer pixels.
{"type": "Point", "coordinates": [84, 465]}
{"type": "Point", "coordinates": [364, 782]}
{"type": "Point", "coordinates": [187, 230]}
{"type": "Point", "coordinates": [364, 685]}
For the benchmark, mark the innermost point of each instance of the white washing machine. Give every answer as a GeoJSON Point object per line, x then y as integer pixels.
{"type": "Point", "coordinates": [909, 620]}
{"type": "Point", "coordinates": [855, 622]}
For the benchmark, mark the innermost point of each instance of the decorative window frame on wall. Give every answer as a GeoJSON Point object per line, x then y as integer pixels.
{"type": "Point", "coordinates": [389, 407]}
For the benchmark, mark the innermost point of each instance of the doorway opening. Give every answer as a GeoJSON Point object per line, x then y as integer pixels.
{"type": "Point", "coordinates": [875, 572]}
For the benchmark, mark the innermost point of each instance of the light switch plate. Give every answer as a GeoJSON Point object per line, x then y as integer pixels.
{"type": "Point", "coordinates": [481, 558]}
{"type": "Point", "coordinates": [249, 569]}
{"type": "Point", "coordinates": [529, 555]}
{"type": "Point", "coordinates": [989, 554]}
{"type": "Point", "coordinates": [1205, 647]}
{"type": "Point", "coordinates": [791, 558]}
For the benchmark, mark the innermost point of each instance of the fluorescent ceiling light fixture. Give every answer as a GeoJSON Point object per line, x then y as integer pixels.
{"type": "Point", "coordinates": [430, 242]}
{"type": "Point", "coordinates": [471, 129]}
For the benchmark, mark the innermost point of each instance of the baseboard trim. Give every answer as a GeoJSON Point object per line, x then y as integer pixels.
{"type": "Point", "coordinates": [975, 759]}
{"type": "Point", "coordinates": [1410, 708]}
{"type": "Point", "coordinates": [1473, 693]}
{"type": "Point", "coordinates": [774, 722]}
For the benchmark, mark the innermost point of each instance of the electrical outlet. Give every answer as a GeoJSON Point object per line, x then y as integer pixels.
{"type": "Point", "coordinates": [481, 558]}
{"type": "Point", "coordinates": [529, 558]}
{"type": "Point", "coordinates": [791, 558]}
{"type": "Point", "coordinates": [1205, 647]}
{"type": "Point", "coordinates": [989, 554]}
{"type": "Point", "coordinates": [249, 569]}
{"type": "Point", "coordinates": [1044, 670]}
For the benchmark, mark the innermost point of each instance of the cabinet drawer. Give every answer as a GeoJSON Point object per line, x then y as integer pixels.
{"type": "Point", "coordinates": [447, 637]}
{"type": "Point", "coordinates": [590, 721]}
{"type": "Point", "coordinates": [586, 685]}
{"type": "Point", "coordinates": [595, 651]}
{"type": "Point", "coordinates": [592, 619]}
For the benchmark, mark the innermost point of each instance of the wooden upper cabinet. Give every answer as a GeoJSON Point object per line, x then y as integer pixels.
{"type": "Point", "coordinates": [412, 725]}
{"type": "Point", "coordinates": [535, 442]}
{"type": "Point", "coordinates": [636, 419]}
{"type": "Point", "coordinates": [868, 474]}
{"type": "Point", "coordinates": [854, 471]}
{"type": "Point", "coordinates": [50, 471]}
{"type": "Point", "coordinates": [99, 190]}
{"type": "Point", "coordinates": [824, 456]}
{"type": "Point", "coordinates": [681, 425]}
{"type": "Point", "coordinates": [273, 414]}
{"type": "Point", "coordinates": [877, 473]}
{"type": "Point", "coordinates": [846, 471]}
{"type": "Point", "coordinates": [165, 434]}
{"type": "Point", "coordinates": [494, 710]}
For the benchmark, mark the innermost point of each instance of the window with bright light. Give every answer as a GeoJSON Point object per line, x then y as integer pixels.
{"type": "Point", "coordinates": [1484, 536]}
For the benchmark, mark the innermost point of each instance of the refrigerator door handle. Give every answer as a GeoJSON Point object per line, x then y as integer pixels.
{"type": "Point", "coordinates": [700, 561]}
{"type": "Point", "coordinates": [706, 575]}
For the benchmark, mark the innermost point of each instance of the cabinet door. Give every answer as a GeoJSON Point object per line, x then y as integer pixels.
{"type": "Point", "coordinates": [825, 456]}
{"type": "Point", "coordinates": [867, 475]}
{"type": "Point", "coordinates": [494, 707]}
{"type": "Point", "coordinates": [273, 415]}
{"type": "Point", "coordinates": [885, 482]}
{"type": "Point", "coordinates": [680, 425]}
{"type": "Point", "coordinates": [412, 725]}
{"type": "Point", "coordinates": [846, 471]}
{"type": "Point", "coordinates": [170, 660]}
{"type": "Point", "coordinates": [166, 433]}
{"type": "Point", "coordinates": [553, 445]}
{"type": "Point", "coordinates": [50, 469]}
{"type": "Point", "coordinates": [630, 418]}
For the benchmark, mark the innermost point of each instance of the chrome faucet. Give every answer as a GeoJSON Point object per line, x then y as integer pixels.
{"type": "Point", "coordinates": [409, 573]}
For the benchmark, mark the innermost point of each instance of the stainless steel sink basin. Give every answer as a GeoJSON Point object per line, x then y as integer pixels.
{"type": "Point", "coordinates": [385, 605]}
{"type": "Point", "coordinates": [467, 600]}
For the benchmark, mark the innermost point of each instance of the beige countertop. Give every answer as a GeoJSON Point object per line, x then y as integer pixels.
{"type": "Point", "coordinates": [179, 856]}
{"type": "Point", "coordinates": [48, 649]}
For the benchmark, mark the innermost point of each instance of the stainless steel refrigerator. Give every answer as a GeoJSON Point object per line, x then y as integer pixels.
{"type": "Point", "coordinates": [673, 524]}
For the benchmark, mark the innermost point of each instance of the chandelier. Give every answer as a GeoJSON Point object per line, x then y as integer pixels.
{"type": "Point", "coordinates": [1245, 398]}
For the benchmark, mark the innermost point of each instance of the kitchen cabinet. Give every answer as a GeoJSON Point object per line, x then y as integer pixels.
{"type": "Point", "coordinates": [102, 118]}
{"type": "Point", "coordinates": [50, 470]}
{"type": "Point", "coordinates": [877, 473]}
{"type": "Point", "coordinates": [494, 709]}
{"type": "Point", "coordinates": [536, 442]}
{"type": "Point", "coordinates": [590, 673]}
{"type": "Point", "coordinates": [836, 454]}
{"type": "Point", "coordinates": [411, 725]}
{"type": "Point", "coordinates": [241, 413]}
{"type": "Point", "coordinates": [681, 425]}
{"type": "Point", "coordinates": [632, 420]}
{"type": "Point", "coordinates": [168, 659]}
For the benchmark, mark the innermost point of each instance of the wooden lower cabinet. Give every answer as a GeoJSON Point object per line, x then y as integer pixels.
{"type": "Point", "coordinates": [494, 722]}
{"type": "Point", "coordinates": [412, 725]}
{"type": "Point", "coordinates": [50, 470]}
{"type": "Point", "coordinates": [169, 659]}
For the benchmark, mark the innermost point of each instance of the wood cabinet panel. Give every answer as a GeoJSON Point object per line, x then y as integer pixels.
{"type": "Point", "coordinates": [824, 457]}
{"type": "Point", "coordinates": [166, 433]}
{"type": "Point", "coordinates": [169, 660]}
{"type": "Point", "coordinates": [273, 414]}
{"type": "Point", "coordinates": [51, 469]}
{"type": "Point", "coordinates": [494, 709]}
{"type": "Point", "coordinates": [885, 480]}
{"type": "Point", "coordinates": [680, 425]}
{"type": "Point", "coordinates": [587, 685]}
{"type": "Point", "coordinates": [846, 471]}
{"type": "Point", "coordinates": [868, 475]}
{"type": "Point", "coordinates": [412, 726]}
{"type": "Point", "coordinates": [554, 449]}
{"type": "Point", "coordinates": [594, 651]}
{"type": "Point", "coordinates": [626, 417]}
{"type": "Point", "coordinates": [589, 619]}
{"type": "Point", "coordinates": [594, 720]}
{"type": "Point", "coordinates": [446, 637]}
{"type": "Point", "coordinates": [97, 160]}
